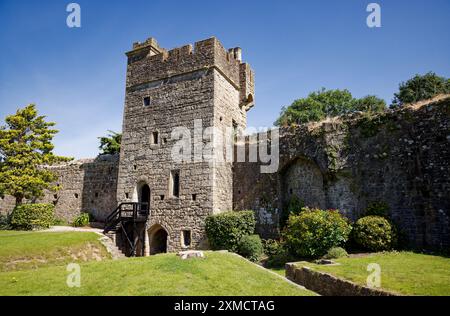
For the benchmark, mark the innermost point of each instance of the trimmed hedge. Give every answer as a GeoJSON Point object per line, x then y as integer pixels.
{"type": "Point", "coordinates": [335, 253]}
{"type": "Point", "coordinates": [374, 233]}
{"type": "Point", "coordinates": [251, 247]}
{"type": "Point", "coordinates": [32, 216]}
{"type": "Point", "coordinates": [225, 230]}
{"type": "Point", "coordinates": [311, 233]}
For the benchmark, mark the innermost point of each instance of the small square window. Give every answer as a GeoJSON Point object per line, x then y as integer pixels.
{"type": "Point", "coordinates": [147, 101]}
{"type": "Point", "coordinates": [194, 197]}
{"type": "Point", "coordinates": [186, 238]}
{"type": "Point", "coordinates": [127, 195]}
{"type": "Point", "coordinates": [162, 197]}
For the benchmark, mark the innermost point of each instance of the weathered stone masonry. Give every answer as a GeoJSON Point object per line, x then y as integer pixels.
{"type": "Point", "coordinates": [180, 86]}
{"type": "Point", "coordinates": [87, 185]}
{"type": "Point", "coordinates": [400, 158]}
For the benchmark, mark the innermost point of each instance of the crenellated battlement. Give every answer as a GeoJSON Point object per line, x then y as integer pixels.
{"type": "Point", "coordinates": [149, 62]}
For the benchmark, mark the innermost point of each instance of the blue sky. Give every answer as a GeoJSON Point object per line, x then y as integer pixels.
{"type": "Point", "coordinates": [77, 76]}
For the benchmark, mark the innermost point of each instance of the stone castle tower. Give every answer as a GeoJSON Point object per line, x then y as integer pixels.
{"type": "Point", "coordinates": [166, 90]}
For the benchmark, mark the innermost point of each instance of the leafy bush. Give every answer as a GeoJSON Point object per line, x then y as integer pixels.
{"type": "Point", "coordinates": [294, 207]}
{"type": "Point", "coordinates": [5, 222]}
{"type": "Point", "coordinates": [374, 233]}
{"type": "Point", "coordinates": [327, 103]}
{"type": "Point", "coordinates": [377, 209]}
{"type": "Point", "coordinates": [251, 247]}
{"type": "Point", "coordinates": [277, 254]}
{"type": "Point", "coordinates": [59, 222]}
{"type": "Point", "coordinates": [81, 220]}
{"type": "Point", "coordinates": [32, 216]}
{"type": "Point", "coordinates": [335, 253]}
{"type": "Point", "coordinates": [314, 231]}
{"type": "Point", "coordinates": [225, 230]}
{"type": "Point", "coordinates": [420, 88]}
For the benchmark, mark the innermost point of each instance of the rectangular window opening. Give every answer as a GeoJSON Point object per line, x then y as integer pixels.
{"type": "Point", "coordinates": [155, 137]}
{"type": "Point", "coordinates": [147, 101]}
{"type": "Point", "coordinates": [186, 238]}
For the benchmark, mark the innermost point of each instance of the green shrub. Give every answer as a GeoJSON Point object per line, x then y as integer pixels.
{"type": "Point", "coordinates": [59, 222]}
{"type": "Point", "coordinates": [5, 222]}
{"type": "Point", "coordinates": [32, 216]}
{"type": "Point", "coordinates": [313, 232]}
{"type": "Point", "coordinates": [277, 254]}
{"type": "Point", "coordinates": [225, 230]}
{"type": "Point", "coordinates": [294, 207]}
{"type": "Point", "coordinates": [81, 220]}
{"type": "Point", "coordinates": [377, 209]}
{"type": "Point", "coordinates": [335, 253]}
{"type": "Point", "coordinates": [251, 247]}
{"type": "Point", "coordinates": [374, 233]}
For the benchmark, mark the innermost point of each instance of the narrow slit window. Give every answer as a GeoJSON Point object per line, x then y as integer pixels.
{"type": "Point", "coordinates": [175, 183]}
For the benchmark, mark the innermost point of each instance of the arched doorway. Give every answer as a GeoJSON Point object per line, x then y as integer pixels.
{"type": "Point", "coordinates": [158, 240]}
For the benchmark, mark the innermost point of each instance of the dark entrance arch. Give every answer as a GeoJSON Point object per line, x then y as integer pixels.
{"type": "Point", "coordinates": [158, 240]}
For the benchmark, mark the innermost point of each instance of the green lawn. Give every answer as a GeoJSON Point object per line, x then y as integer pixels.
{"type": "Point", "coordinates": [30, 250]}
{"type": "Point", "coordinates": [217, 274]}
{"type": "Point", "coordinates": [402, 272]}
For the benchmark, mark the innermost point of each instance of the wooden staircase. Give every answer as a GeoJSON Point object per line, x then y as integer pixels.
{"type": "Point", "coordinates": [126, 227]}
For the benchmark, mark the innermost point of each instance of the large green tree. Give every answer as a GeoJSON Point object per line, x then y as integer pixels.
{"type": "Point", "coordinates": [420, 87]}
{"type": "Point", "coordinates": [110, 144]}
{"type": "Point", "coordinates": [25, 147]}
{"type": "Point", "coordinates": [327, 103]}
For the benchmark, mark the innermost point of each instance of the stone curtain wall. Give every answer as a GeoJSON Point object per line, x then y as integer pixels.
{"type": "Point", "coordinates": [400, 158]}
{"type": "Point", "coordinates": [87, 185]}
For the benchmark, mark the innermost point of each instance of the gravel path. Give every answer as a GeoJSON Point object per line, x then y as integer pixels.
{"type": "Point", "coordinates": [73, 229]}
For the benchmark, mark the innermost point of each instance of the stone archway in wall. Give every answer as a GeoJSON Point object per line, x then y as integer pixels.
{"type": "Point", "coordinates": [158, 238]}
{"type": "Point", "coordinates": [302, 179]}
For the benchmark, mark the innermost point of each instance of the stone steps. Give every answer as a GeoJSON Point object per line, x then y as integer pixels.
{"type": "Point", "coordinates": [109, 241]}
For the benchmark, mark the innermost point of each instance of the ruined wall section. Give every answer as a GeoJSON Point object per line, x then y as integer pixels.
{"type": "Point", "coordinates": [400, 158]}
{"type": "Point", "coordinates": [87, 185]}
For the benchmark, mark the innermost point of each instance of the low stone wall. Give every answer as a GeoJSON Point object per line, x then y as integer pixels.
{"type": "Point", "coordinates": [328, 285]}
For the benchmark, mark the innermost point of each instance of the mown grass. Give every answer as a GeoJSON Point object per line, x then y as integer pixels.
{"type": "Point", "coordinates": [217, 274]}
{"type": "Point", "coordinates": [406, 273]}
{"type": "Point", "coordinates": [29, 250]}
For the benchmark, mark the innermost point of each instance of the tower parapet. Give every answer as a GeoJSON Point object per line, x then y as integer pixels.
{"type": "Point", "coordinates": [148, 62]}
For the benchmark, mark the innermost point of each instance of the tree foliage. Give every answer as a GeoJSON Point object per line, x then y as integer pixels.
{"type": "Point", "coordinates": [421, 87]}
{"type": "Point", "coordinates": [327, 103]}
{"type": "Point", "coordinates": [25, 147]}
{"type": "Point", "coordinates": [110, 144]}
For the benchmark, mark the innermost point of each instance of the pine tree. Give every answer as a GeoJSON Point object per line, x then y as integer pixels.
{"type": "Point", "coordinates": [25, 149]}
